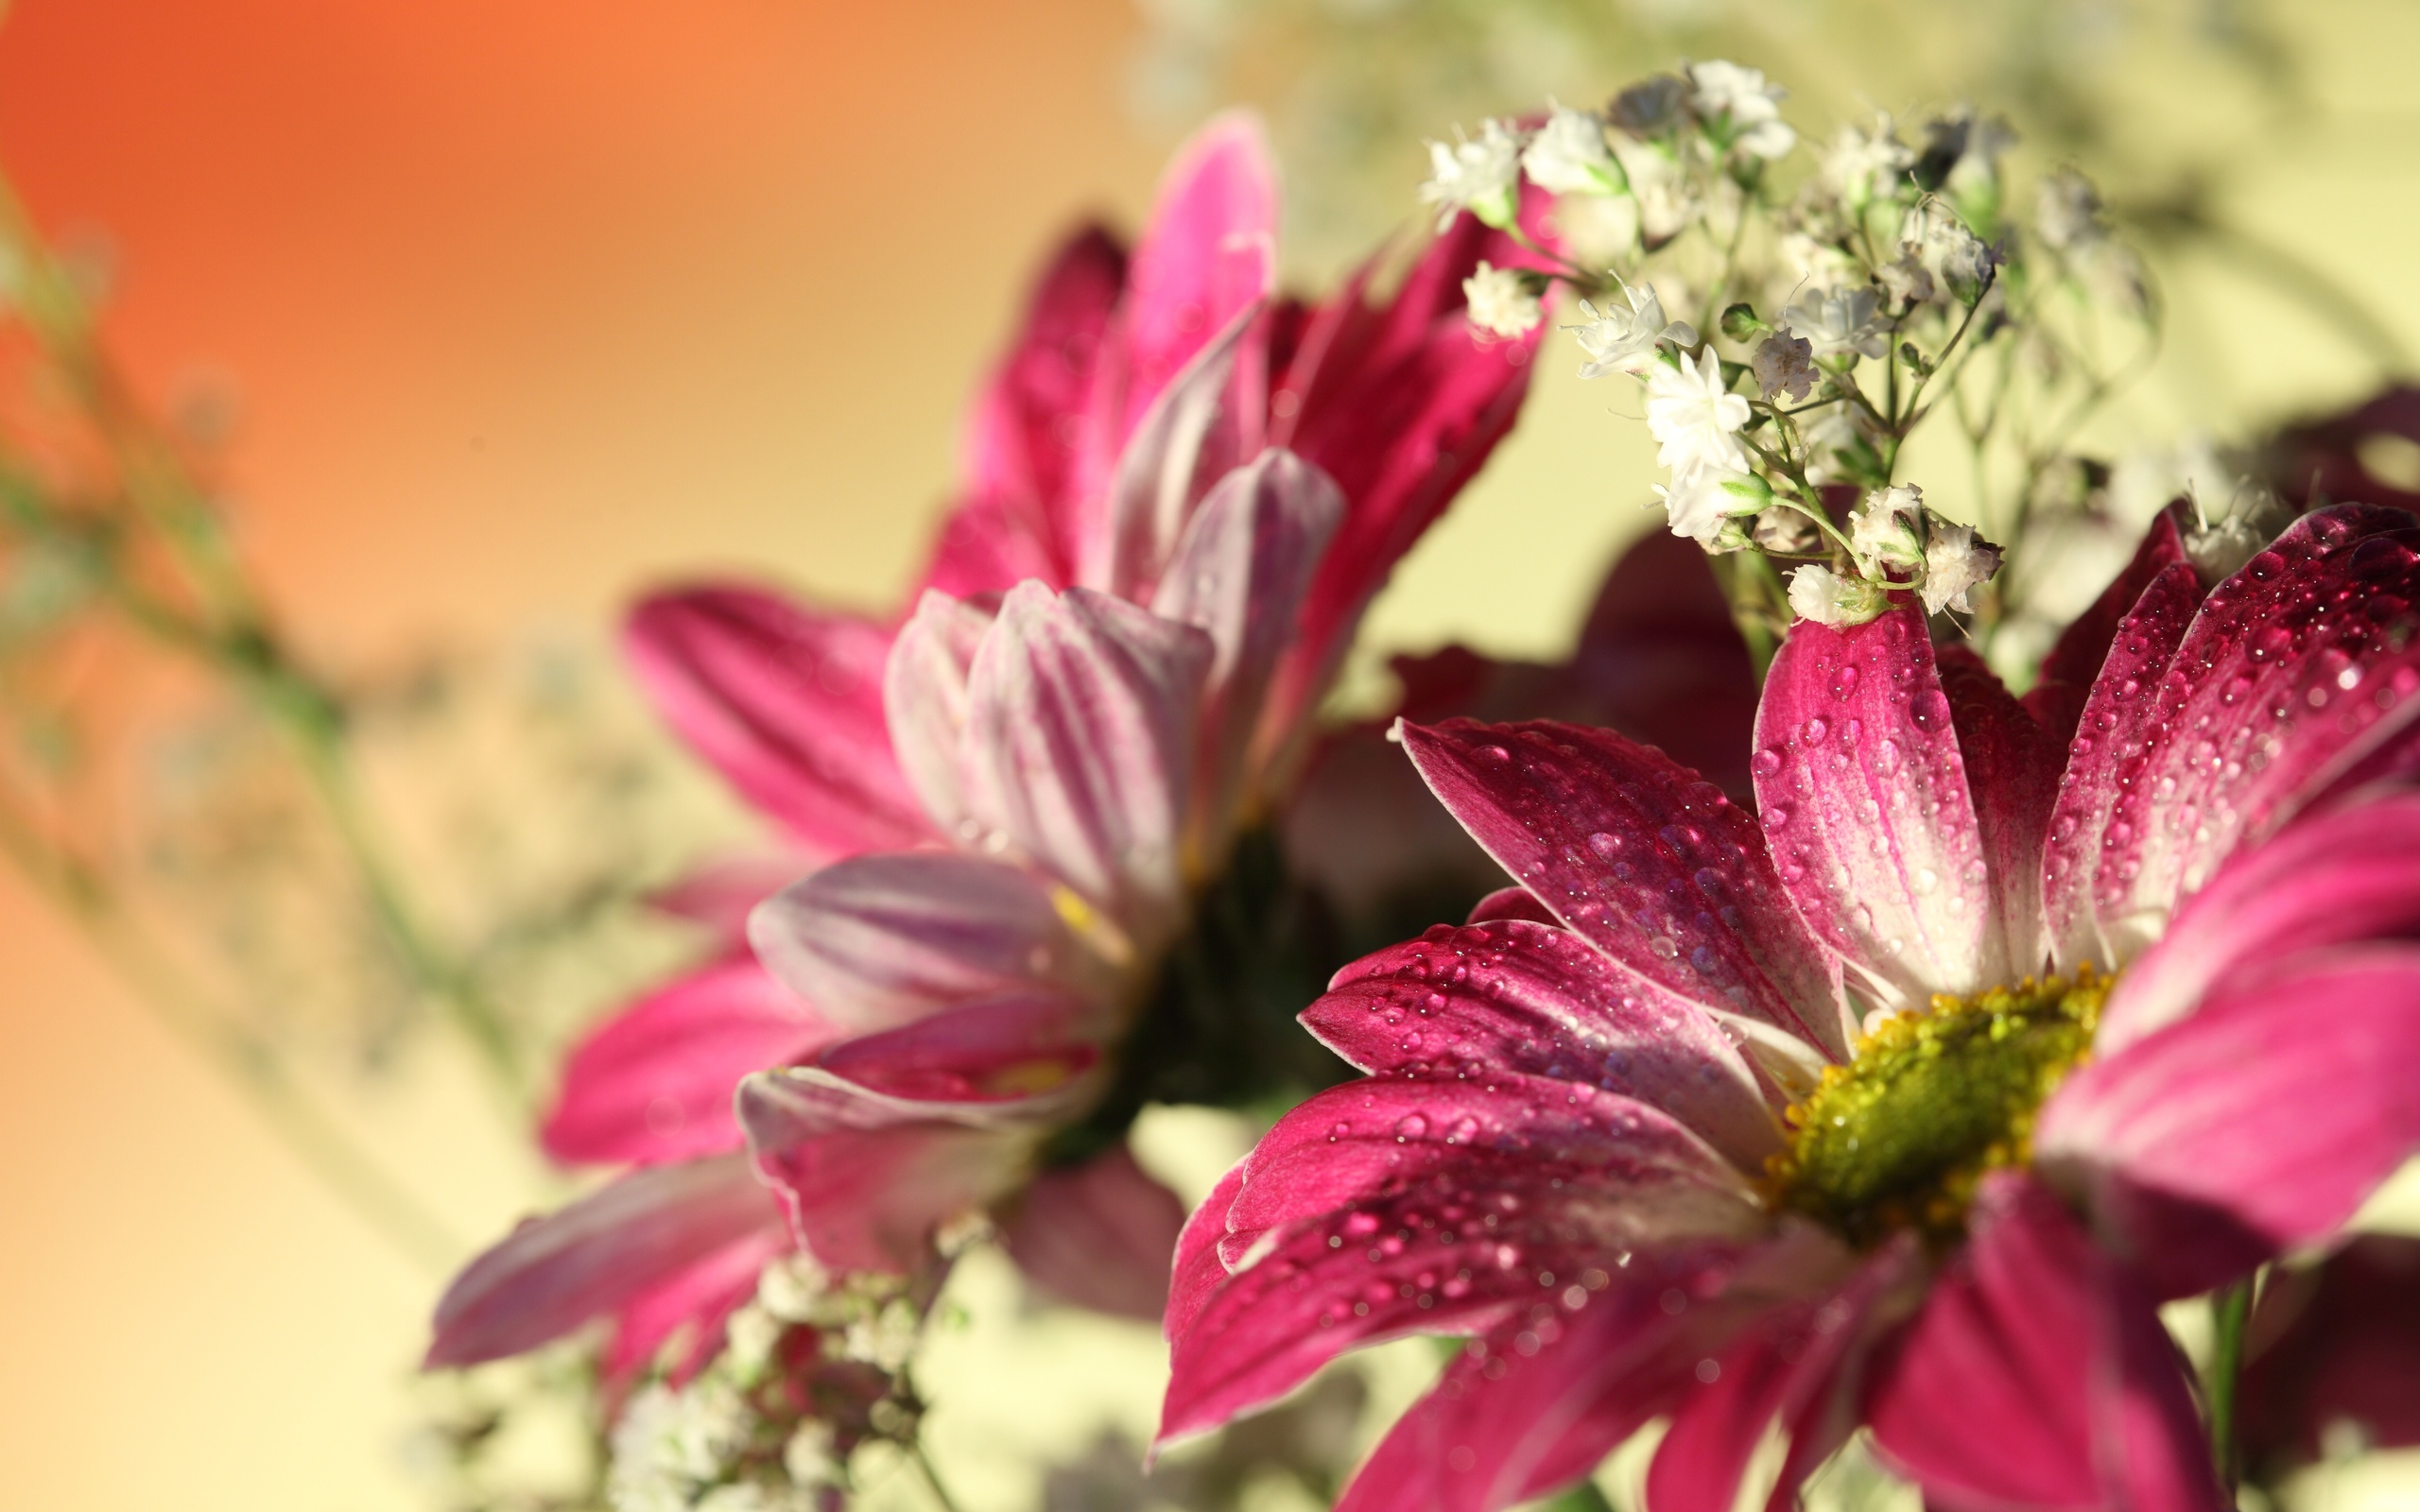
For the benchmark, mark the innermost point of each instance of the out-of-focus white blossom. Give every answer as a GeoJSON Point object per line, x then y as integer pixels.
{"type": "Point", "coordinates": [1783, 363]}
{"type": "Point", "coordinates": [1840, 320]}
{"type": "Point", "coordinates": [1886, 528]}
{"type": "Point", "coordinates": [669, 1445]}
{"type": "Point", "coordinates": [1906, 280]}
{"type": "Point", "coordinates": [1827, 597]}
{"type": "Point", "coordinates": [1697, 506]}
{"type": "Point", "coordinates": [1832, 431]}
{"type": "Point", "coordinates": [1480, 173]}
{"type": "Point", "coordinates": [1740, 107]}
{"type": "Point", "coordinates": [1944, 244]}
{"type": "Point", "coordinates": [792, 1288]}
{"type": "Point", "coordinates": [2067, 210]}
{"type": "Point", "coordinates": [886, 1339]}
{"type": "Point", "coordinates": [808, 1458]}
{"type": "Point", "coordinates": [750, 1336]}
{"type": "Point", "coordinates": [1619, 340]}
{"type": "Point", "coordinates": [1864, 164]}
{"type": "Point", "coordinates": [1597, 231]}
{"type": "Point", "coordinates": [1956, 561]}
{"type": "Point", "coordinates": [1569, 156]}
{"type": "Point", "coordinates": [1667, 201]}
{"type": "Point", "coordinates": [1652, 107]}
{"type": "Point", "coordinates": [1500, 301]}
{"type": "Point", "coordinates": [1695, 418]}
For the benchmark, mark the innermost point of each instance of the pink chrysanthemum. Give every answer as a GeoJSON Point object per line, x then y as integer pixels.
{"type": "Point", "coordinates": [1900, 1104]}
{"type": "Point", "coordinates": [1179, 493]}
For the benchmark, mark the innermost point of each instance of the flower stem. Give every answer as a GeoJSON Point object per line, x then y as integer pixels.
{"type": "Point", "coordinates": [932, 1476]}
{"type": "Point", "coordinates": [2230, 1311]}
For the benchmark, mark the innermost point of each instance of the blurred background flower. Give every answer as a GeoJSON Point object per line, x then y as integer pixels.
{"type": "Point", "coordinates": [465, 322]}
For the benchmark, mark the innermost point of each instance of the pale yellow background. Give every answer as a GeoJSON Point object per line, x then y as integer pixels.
{"type": "Point", "coordinates": [532, 302]}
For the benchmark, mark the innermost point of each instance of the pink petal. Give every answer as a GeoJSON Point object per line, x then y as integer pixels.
{"type": "Point", "coordinates": [1360, 1217]}
{"type": "Point", "coordinates": [1186, 438]}
{"type": "Point", "coordinates": [1801, 1364]}
{"type": "Point", "coordinates": [698, 1299]}
{"type": "Point", "coordinates": [1238, 575]}
{"type": "Point", "coordinates": [894, 1134]}
{"type": "Point", "coordinates": [1019, 452]}
{"type": "Point", "coordinates": [1510, 902]}
{"type": "Point", "coordinates": [654, 1082]}
{"type": "Point", "coordinates": [925, 701]}
{"type": "Point", "coordinates": [1080, 728]}
{"type": "Point", "coordinates": [1540, 1402]}
{"type": "Point", "coordinates": [2338, 1342]}
{"type": "Point", "coordinates": [721, 894]}
{"type": "Point", "coordinates": [2331, 879]}
{"type": "Point", "coordinates": [2037, 1375]}
{"type": "Point", "coordinates": [596, 1256]}
{"type": "Point", "coordinates": [878, 940]}
{"type": "Point", "coordinates": [2255, 1125]}
{"type": "Point", "coordinates": [1864, 797]}
{"type": "Point", "coordinates": [2298, 671]}
{"type": "Point", "coordinates": [787, 703]}
{"type": "Point", "coordinates": [1197, 1270]}
{"type": "Point", "coordinates": [2012, 769]}
{"type": "Point", "coordinates": [2118, 719]}
{"type": "Point", "coordinates": [1100, 1235]}
{"type": "Point", "coordinates": [2073, 664]}
{"type": "Point", "coordinates": [1648, 863]}
{"type": "Point", "coordinates": [1208, 253]}
{"type": "Point", "coordinates": [1527, 997]}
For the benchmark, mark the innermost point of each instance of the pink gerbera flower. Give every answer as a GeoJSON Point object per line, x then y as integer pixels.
{"type": "Point", "coordinates": [1899, 1104]}
{"type": "Point", "coordinates": [1181, 491]}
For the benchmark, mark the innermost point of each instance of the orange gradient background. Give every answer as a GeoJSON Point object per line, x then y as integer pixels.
{"type": "Point", "coordinates": [529, 302]}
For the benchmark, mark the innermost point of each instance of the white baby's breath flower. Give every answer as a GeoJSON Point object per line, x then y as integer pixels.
{"type": "Point", "coordinates": [1906, 280]}
{"type": "Point", "coordinates": [1740, 107]}
{"type": "Point", "coordinates": [1864, 164]}
{"type": "Point", "coordinates": [1698, 505]}
{"type": "Point", "coordinates": [1481, 175]}
{"type": "Point", "coordinates": [2067, 210]}
{"type": "Point", "coordinates": [1619, 340]}
{"type": "Point", "coordinates": [1825, 596]}
{"type": "Point", "coordinates": [1783, 363]}
{"type": "Point", "coordinates": [1840, 320]}
{"type": "Point", "coordinates": [887, 1339]}
{"type": "Point", "coordinates": [1956, 559]}
{"type": "Point", "coordinates": [1695, 418]}
{"type": "Point", "coordinates": [1597, 231]}
{"type": "Point", "coordinates": [1500, 303]}
{"type": "Point", "coordinates": [1944, 244]}
{"type": "Point", "coordinates": [1569, 156]}
{"type": "Point", "coordinates": [808, 1458]}
{"type": "Point", "coordinates": [792, 1288]}
{"type": "Point", "coordinates": [670, 1444]}
{"type": "Point", "coordinates": [1886, 529]}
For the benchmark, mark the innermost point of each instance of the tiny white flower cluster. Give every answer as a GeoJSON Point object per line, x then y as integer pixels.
{"type": "Point", "coordinates": [1885, 270]}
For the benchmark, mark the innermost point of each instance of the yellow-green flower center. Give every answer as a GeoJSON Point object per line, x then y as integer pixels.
{"type": "Point", "coordinates": [1933, 1098]}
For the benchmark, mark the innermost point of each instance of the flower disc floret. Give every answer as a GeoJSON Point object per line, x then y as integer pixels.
{"type": "Point", "coordinates": [1898, 1137]}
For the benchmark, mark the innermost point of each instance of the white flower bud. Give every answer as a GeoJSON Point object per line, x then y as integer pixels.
{"type": "Point", "coordinates": [1500, 303]}
{"type": "Point", "coordinates": [1569, 156]}
{"type": "Point", "coordinates": [1699, 504]}
{"type": "Point", "coordinates": [1739, 108]}
{"type": "Point", "coordinates": [1825, 596]}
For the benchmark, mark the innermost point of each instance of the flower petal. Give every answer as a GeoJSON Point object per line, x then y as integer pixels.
{"type": "Point", "coordinates": [1080, 724]}
{"type": "Point", "coordinates": [1386, 1206]}
{"type": "Point", "coordinates": [1527, 997]}
{"type": "Point", "coordinates": [881, 939]}
{"type": "Point", "coordinates": [2298, 671]}
{"type": "Point", "coordinates": [1197, 1271]}
{"type": "Point", "coordinates": [698, 1299]}
{"type": "Point", "coordinates": [721, 893]}
{"type": "Point", "coordinates": [2111, 736]}
{"type": "Point", "coordinates": [2332, 879]}
{"type": "Point", "coordinates": [895, 1133]}
{"type": "Point", "coordinates": [924, 700]}
{"type": "Point", "coordinates": [1401, 418]}
{"type": "Point", "coordinates": [2074, 663]}
{"type": "Point", "coordinates": [1185, 438]}
{"type": "Point", "coordinates": [2013, 777]}
{"type": "Point", "coordinates": [1018, 457]}
{"type": "Point", "coordinates": [2335, 1345]}
{"type": "Point", "coordinates": [599, 1254]}
{"type": "Point", "coordinates": [2037, 1375]}
{"type": "Point", "coordinates": [1652, 865]}
{"type": "Point", "coordinates": [1536, 1405]}
{"type": "Point", "coordinates": [1238, 575]}
{"type": "Point", "coordinates": [787, 703]}
{"type": "Point", "coordinates": [1864, 795]}
{"type": "Point", "coordinates": [2258, 1125]}
{"type": "Point", "coordinates": [1802, 1364]}
{"type": "Point", "coordinates": [654, 1082]}
{"type": "Point", "coordinates": [1100, 1235]}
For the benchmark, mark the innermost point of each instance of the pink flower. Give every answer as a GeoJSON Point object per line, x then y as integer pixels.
{"type": "Point", "coordinates": [1128, 619]}
{"type": "Point", "coordinates": [1624, 1134]}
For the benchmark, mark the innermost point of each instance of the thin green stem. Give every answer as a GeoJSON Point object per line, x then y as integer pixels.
{"type": "Point", "coordinates": [2230, 1311]}
{"type": "Point", "coordinates": [932, 1477]}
